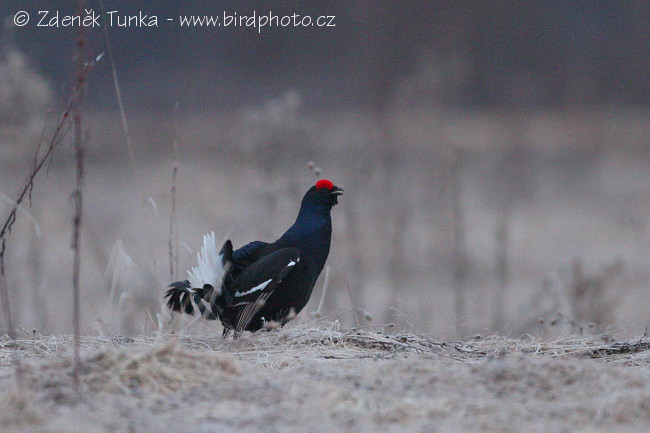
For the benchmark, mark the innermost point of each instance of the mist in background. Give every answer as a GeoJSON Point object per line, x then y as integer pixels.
{"type": "Point", "coordinates": [495, 158]}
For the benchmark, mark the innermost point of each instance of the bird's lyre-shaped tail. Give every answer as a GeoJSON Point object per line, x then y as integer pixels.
{"type": "Point", "coordinates": [204, 285]}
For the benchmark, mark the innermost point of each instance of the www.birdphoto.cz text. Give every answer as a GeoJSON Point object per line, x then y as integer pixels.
{"type": "Point", "coordinates": [92, 18]}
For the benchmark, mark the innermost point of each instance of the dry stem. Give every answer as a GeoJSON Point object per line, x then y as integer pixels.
{"type": "Point", "coordinates": [80, 84]}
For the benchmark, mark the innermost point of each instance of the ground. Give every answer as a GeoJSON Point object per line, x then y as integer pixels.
{"type": "Point", "coordinates": [318, 377]}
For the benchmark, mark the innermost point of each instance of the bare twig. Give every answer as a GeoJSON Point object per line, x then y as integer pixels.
{"type": "Point", "coordinates": [79, 90]}
{"type": "Point", "coordinates": [4, 294]}
{"type": "Point", "coordinates": [173, 226]}
{"type": "Point", "coordinates": [502, 269]}
{"type": "Point", "coordinates": [322, 297]}
{"type": "Point", "coordinates": [39, 161]}
{"type": "Point", "coordinates": [460, 256]}
{"type": "Point", "coordinates": [63, 127]}
{"type": "Point", "coordinates": [127, 134]}
{"type": "Point", "coordinates": [118, 92]}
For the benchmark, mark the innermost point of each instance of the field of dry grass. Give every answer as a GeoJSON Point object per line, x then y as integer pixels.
{"type": "Point", "coordinates": [319, 377]}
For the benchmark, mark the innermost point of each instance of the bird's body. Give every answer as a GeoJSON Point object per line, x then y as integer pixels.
{"type": "Point", "coordinates": [261, 282]}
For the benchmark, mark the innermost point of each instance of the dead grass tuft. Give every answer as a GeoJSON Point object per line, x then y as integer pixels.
{"type": "Point", "coordinates": [158, 368]}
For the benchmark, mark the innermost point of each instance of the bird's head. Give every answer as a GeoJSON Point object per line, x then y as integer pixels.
{"type": "Point", "coordinates": [324, 193]}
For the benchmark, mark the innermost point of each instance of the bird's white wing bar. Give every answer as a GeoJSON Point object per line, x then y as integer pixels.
{"type": "Point", "coordinates": [262, 276]}
{"type": "Point", "coordinates": [254, 289]}
{"type": "Point", "coordinates": [209, 269]}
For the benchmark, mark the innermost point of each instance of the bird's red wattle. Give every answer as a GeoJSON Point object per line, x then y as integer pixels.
{"type": "Point", "coordinates": [324, 183]}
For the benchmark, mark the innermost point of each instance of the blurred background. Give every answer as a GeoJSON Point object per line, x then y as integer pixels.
{"type": "Point", "coordinates": [495, 157]}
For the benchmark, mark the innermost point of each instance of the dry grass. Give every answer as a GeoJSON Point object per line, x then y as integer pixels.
{"type": "Point", "coordinates": [319, 377]}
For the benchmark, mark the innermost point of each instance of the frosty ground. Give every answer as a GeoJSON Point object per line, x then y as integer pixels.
{"type": "Point", "coordinates": [319, 377]}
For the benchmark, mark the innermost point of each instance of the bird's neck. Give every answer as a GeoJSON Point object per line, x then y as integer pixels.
{"type": "Point", "coordinates": [311, 234]}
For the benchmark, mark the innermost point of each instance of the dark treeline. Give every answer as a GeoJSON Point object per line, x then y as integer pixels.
{"type": "Point", "coordinates": [461, 53]}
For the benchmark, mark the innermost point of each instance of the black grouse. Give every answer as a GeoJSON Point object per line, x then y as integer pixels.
{"type": "Point", "coordinates": [261, 282]}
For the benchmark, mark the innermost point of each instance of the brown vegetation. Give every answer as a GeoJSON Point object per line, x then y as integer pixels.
{"type": "Point", "coordinates": [319, 377]}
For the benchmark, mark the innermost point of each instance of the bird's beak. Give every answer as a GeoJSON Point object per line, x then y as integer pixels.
{"type": "Point", "coordinates": [334, 194]}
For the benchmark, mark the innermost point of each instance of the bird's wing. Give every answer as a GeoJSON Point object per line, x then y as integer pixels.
{"type": "Point", "coordinates": [263, 275]}
{"type": "Point", "coordinates": [256, 283]}
{"type": "Point", "coordinates": [247, 254]}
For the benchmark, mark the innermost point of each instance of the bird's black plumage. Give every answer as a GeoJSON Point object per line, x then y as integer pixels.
{"type": "Point", "coordinates": [266, 282]}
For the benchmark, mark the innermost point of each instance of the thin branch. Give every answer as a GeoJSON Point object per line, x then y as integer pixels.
{"type": "Point", "coordinates": [125, 127]}
{"type": "Point", "coordinates": [40, 160]}
{"type": "Point", "coordinates": [322, 298]}
{"type": "Point", "coordinates": [173, 223]}
{"type": "Point", "coordinates": [80, 85]}
{"type": "Point", "coordinates": [4, 295]}
{"type": "Point", "coordinates": [118, 91]}
{"type": "Point", "coordinates": [61, 131]}
{"type": "Point", "coordinates": [460, 256]}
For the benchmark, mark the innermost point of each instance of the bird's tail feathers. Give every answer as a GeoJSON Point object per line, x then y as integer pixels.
{"type": "Point", "coordinates": [204, 286]}
{"type": "Point", "coordinates": [184, 299]}
{"type": "Point", "coordinates": [211, 266]}
{"type": "Point", "coordinates": [180, 297]}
